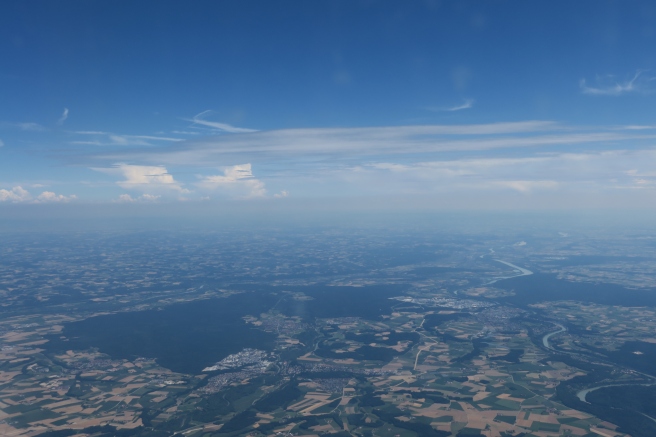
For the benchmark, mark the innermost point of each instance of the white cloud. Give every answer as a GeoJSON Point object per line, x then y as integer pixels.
{"type": "Point", "coordinates": [63, 117]}
{"type": "Point", "coordinates": [20, 195]}
{"type": "Point", "coordinates": [483, 161]}
{"type": "Point", "coordinates": [1, 143]}
{"type": "Point", "coordinates": [527, 186]}
{"type": "Point", "coordinates": [16, 194]}
{"type": "Point", "coordinates": [126, 198]}
{"type": "Point", "coordinates": [238, 178]}
{"type": "Point", "coordinates": [609, 86]}
{"type": "Point", "coordinates": [224, 127]}
{"type": "Point", "coordinates": [149, 197]}
{"type": "Point", "coordinates": [144, 178]}
{"type": "Point", "coordinates": [49, 197]}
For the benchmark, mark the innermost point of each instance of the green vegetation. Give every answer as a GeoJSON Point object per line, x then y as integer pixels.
{"type": "Point", "coordinates": [279, 398]}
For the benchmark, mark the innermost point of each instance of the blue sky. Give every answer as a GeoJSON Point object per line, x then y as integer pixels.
{"type": "Point", "coordinates": [455, 104]}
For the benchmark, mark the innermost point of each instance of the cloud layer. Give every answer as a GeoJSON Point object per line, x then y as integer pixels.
{"type": "Point", "coordinates": [18, 194]}
{"type": "Point", "coordinates": [526, 159]}
{"type": "Point", "coordinates": [332, 146]}
{"type": "Point", "coordinates": [530, 158]}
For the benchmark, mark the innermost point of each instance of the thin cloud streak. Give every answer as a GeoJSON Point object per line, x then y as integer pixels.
{"type": "Point", "coordinates": [225, 127]}
{"type": "Point", "coordinates": [111, 139]}
{"type": "Point", "coordinates": [638, 127]}
{"type": "Point", "coordinates": [24, 126]}
{"type": "Point", "coordinates": [469, 103]}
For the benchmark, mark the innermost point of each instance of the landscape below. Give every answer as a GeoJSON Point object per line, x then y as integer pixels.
{"type": "Point", "coordinates": [415, 334]}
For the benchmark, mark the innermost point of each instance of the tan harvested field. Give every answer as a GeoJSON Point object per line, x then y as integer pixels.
{"type": "Point", "coordinates": [12, 337]}
{"type": "Point", "coordinates": [577, 414]}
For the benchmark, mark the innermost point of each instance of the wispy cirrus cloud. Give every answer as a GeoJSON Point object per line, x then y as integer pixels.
{"type": "Point", "coordinates": [199, 119]}
{"type": "Point", "coordinates": [637, 127]}
{"type": "Point", "coordinates": [24, 126]}
{"type": "Point", "coordinates": [358, 143]}
{"type": "Point", "coordinates": [63, 117]}
{"type": "Point", "coordinates": [467, 104]}
{"type": "Point", "coordinates": [609, 85]}
{"type": "Point", "coordinates": [100, 138]}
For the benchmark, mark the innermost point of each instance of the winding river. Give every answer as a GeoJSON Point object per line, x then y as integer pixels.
{"type": "Point", "coordinates": [581, 394]}
{"type": "Point", "coordinates": [584, 393]}
{"type": "Point", "coordinates": [521, 272]}
{"type": "Point", "coordinates": [545, 339]}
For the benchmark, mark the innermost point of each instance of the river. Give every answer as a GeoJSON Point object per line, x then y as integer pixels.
{"type": "Point", "coordinates": [522, 272]}
{"type": "Point", "coordinates": [545, 339]}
